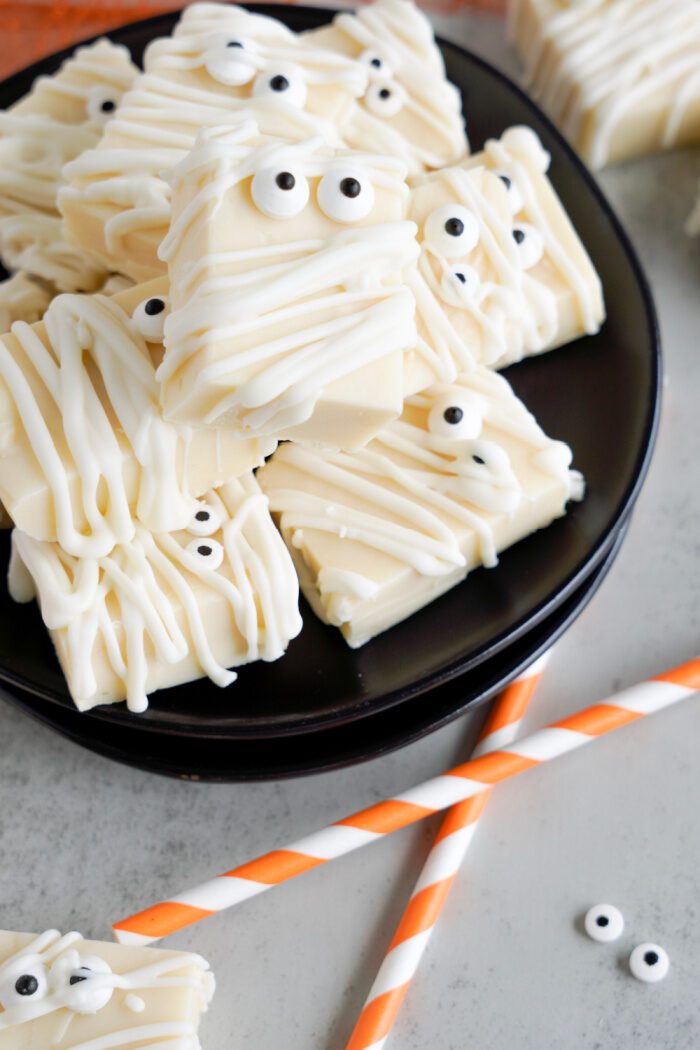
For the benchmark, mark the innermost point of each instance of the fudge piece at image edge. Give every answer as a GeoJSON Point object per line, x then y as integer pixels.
{"type": "Point", "coordinates": [84, 449]}
{"type": "Point", "coordinates": [502, 273]}
{"type": "Point", "coordinates": [619, 77]}
{"type": "Point", "coordinates": [289, 313]}
{"type": "Point", "coordinates": [409, 109]}
{"type": "Point", "coordinates": [379, 533]}
{"type": "Point", "coordinates": [66, 993]}
{"type": "Point", "coordinates": [221, 65]}
{"type": "Point", "coordinates": [165, 607]}
{"type": "Point", "coordinates": [61, 117]}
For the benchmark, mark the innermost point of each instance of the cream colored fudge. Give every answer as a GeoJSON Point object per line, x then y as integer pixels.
{"type": "Point", "coordinates": [379, 533]}
{"type": "Point", "coordinates": [65, 993]}
{"type": "Point", "coordinates": [409, 109]}
{"type": "Point", "coordinates": [165, 608]}
{"type": "Point", "coordinates": [222, 64]}
{"type": "Point", "coordinates": [62, 116]}
{"type": "Point", "coordinates": [619, 77]}
{"type": "Point", "coordinates": [502, 272]}
{"type": "Point", "coordinates": [289, 313]}
{"type": "Point", "coordinates": [83, 445]}
{"type": "Point", "coordinates": [22, 298]}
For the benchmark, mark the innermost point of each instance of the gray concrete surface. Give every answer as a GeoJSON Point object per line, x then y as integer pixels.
{"type": "Point", "coordinates": [83, 841]}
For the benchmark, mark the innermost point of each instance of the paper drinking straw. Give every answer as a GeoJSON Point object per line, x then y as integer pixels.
{"type": "Point", "coordinates": [456, 833]}
{"type": "Point", "coordinates": [464, 781]}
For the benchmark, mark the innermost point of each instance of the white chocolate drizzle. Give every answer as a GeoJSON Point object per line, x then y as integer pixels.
{"type": "Point", "coordinates": [98, 373]}
{"type": "Point", "coordinates": [22, 299]}
{"type": "Point", "coordinates": [50, 960]}
{"type": "Point", "coordinates": [125, 600]}
{"type": "Point", "coordinates": [601, 60]}
{"type": "Point", "coordinates": [347, 284]}
{"type": "Point", "coordinates": [399, 495]}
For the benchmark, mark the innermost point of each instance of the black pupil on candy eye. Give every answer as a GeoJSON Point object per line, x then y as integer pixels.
{"type": "Point", "coordinates": [202, 515]}
{"type": "Point", "coordinates": [154, 306]}
{"type": "Point", "coordinates": [78, 977]}
{"type": "Point", "coordinates": [279, 83]}
{"type": "Point", "coordinates": [460, 277]}
{"type": "Point", "coordinates": [385, 93]}
{"type": "Point", "coordinates": [651, 958]}
{"type": "Point", "coordinates": [107, 106]}
{"type": "Point", "coordinates": [479, 460]}
{"type": "Point", "coordinates": [602, 920]}
{"type": "Point", "coordinates": [204, 550]}
{"type": "Point", "coordinates": [27, 984]}
{"type": "Point", "coordinates": [453, 414]}
{"type": "Point", "coordinates": [376, 62]}
{"type": "Point", "coordinates": [518, 236]}
{"type": "Point", "coordinates": [506, 181]}
{"type": "Point", "coordinates": [455, 227]}
{"type": "Point", "coordinates": [285, 180]}
{"type": "Point", "coordinates": [234, 43]}
{"type": "Point", "coordinates": [350, 187]}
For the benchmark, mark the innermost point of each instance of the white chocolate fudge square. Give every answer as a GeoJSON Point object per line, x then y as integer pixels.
{"type": "Point", "coordinates": [83, 445]}
{"type": "Point", "coordinates": [619, 77]}
{"type": "Point", "coordinates": [289, 312]}
{"type": "Point", "coordinates": [502, 272]}
{"type": "Point", "coordinates": [409, 110]}
{"type": "Point", "coordinates": [166, 608]}
{"type": "Point", "coordinates": [221, 65]}
{"type": "Point", "coordinates": [62, 116]}
{"type": "Point", "coordinates": [67, 993]}
{"type": "Point", "coordinates": [379, 533]}
{"type": "Point", "coordinates": [22, 299]}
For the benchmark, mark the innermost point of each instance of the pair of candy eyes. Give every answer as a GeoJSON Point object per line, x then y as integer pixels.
{"type": "Point", "coordinates": [33, 984]}
{"type": "Point", "coordinates": [454, 231]}
{"type": "Point", "coordinates": [648, 962]}
{"type": "Point", "coordinates": [343, 196]}
{"type": "Point", "coordinates": [203, 525]}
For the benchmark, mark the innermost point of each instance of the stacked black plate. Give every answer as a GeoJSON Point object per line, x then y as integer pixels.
{"type": "Point", "coordinates": [324, 705]}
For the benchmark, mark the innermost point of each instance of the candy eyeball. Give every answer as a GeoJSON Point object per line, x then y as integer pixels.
{"type": "Point", "coordinates": [385, 98]}
{"type": "Point", "coordinates": [280, 193]}
{"type": "Point", "coordinates": [491, 457]}
{"type": "Point", "coordinates": [529, 244]}
{"type": "Point", "coordinates": [452, 230]}
{"type": "Point", "coordinates": [26, 984]}
{"type": "Point", "coordinates": [515, 197]}
{"type": "Point", "coordinates": [346, 195]}
{"type": "Point", "coordinates": [102, 104]}
{"type": "Point", "coordinates": [149, 318]}
{"type": "Point", "coordinates": [87, 993]}
{"type": "Point", "coordinates": [649, 963]}
{"type": "Point", "coordinates": [205, 521]}
{"type": "Point", "coordinates": [231, 61]}
{"type": "Point", "coordinates": [376, 65]}
{"type": "Point", "coordinates": [456, 417]}
{"type": "Point", "coordinates": [460, 285]}
{"type": "Point", "coordinates": [604, 923]}
{"type": "Point", "coordinates": [208, 552]}
{"type": "Point", "coordinates": [286, 82]}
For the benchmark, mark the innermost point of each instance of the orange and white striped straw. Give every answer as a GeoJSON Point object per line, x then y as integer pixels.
{"type": "Point", "coordinates": [454, 838]}
{"type": "Point", "coordinates": [471, 778]}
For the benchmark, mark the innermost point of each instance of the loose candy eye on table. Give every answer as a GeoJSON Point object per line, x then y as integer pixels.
{"type": "Point", "coordinates": [604, 923]}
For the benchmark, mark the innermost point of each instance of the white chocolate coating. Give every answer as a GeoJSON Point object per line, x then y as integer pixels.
{"type": "Point", "coordinates": [83, 445]}
{"type": "Point", "coordinates": [378, 533]}
{"type": "Point", "coordinates": [78, 995]}
{"type": "Point", "coordinates": [275, 305]}
{"type": "Point", "coordinates": [117, 203]}
{"type": "Point", "coordinates": [409, 110]}
{"type": "Point", "coordinates": [22, 299]}
{"type": "Point", "coordinates": [620, 77]}
{"type": "Point", "coordinates": [165, 607]}
{"type": "Point", "coordinates": [516, 282]}
{"type": "Point", "coordinates": [54, 124]}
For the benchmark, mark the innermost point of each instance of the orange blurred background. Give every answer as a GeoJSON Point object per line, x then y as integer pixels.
{"type": "Point", "coordinates": [30, 29]}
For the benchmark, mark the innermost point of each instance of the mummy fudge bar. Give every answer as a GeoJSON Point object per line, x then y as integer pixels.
{"type": "Point", "coordinates": [289, 313]}
{"type": "Point", "coordinates": [502, 273]}
{"type": "Point", "coordinates": [378, 533]}
{"type": "Point", "coordinates": [222, 64]}
{"type": "Point", "coordinates": [409, 109]}
{"type": "Point", "coordinates": [62, 116]}
{"type": "Point", "coordinates": [83, 445]}
{"type": "Point", "coordinates": [620, 77]}
{"type": "Point", "coordinates": [166, 608]}
{"type": "Point", "coordinates": [67, 993]}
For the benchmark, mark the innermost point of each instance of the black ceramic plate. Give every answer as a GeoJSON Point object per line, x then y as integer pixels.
{"type": "Point", "coordinates": [315, 752]}
{"type": "Point", "coordinates": [598, 394]}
